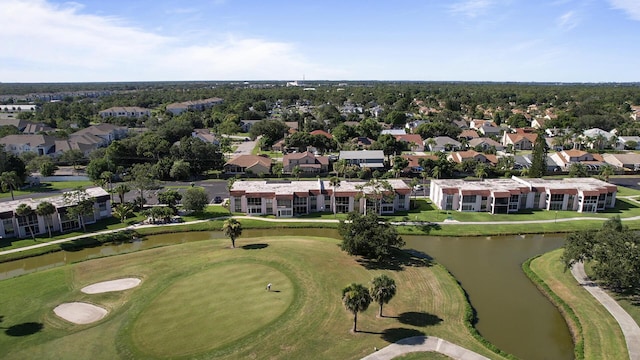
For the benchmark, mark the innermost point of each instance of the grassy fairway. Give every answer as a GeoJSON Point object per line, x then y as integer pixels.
{"type": "Point", "coordinates": [603, 338]}
{"type": "Point", "coordinates": [204, 300]}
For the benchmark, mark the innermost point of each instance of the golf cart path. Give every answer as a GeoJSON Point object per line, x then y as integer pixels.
{"type": "Point", "coordinates": [630, 328]}
{"type": "Point", "coordinates": [423, 344]}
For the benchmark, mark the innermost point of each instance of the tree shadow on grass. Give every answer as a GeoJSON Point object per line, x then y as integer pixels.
{"type": "Point", "coordinates": [398, 260]}
{"type": "Point", "coordinates": [254, 246]}
{"type": "Point", "coordinates": [394, 334]}
{"type": "Point", "coordinates": [24, 329]}
{"type": "Point", "coordinates": [420, 319]}
{"type": "Point", "coordinates": [80, 244]}
{"type": "Point", "coordinates": [428, 227]}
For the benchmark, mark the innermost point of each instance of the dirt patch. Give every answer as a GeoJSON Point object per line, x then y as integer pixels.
{"type": "Point", "coordinates": [113, 285]}
{"type": "Point", "coordinates": [80, 313]}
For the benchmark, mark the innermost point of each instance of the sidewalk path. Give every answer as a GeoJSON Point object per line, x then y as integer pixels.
{"type": "Point", "coordinates": [629, 327]}
{"type": "Point", "coordinates": [422, 344]}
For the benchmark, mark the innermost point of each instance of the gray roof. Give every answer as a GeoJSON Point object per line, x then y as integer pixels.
{"type": "Point", "coordinates": [362, 154]}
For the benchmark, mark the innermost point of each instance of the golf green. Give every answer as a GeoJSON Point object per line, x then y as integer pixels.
{"type": "Point", "coordinates": [212, 299]}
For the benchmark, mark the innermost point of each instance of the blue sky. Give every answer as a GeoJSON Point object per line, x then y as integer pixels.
{"type": "Point", "coordinates": [457, 40]}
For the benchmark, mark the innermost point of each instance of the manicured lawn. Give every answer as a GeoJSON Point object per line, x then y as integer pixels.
{"type": "Point", "coordinates": [205, 300]}
{"type": "Point", "coordinates": [603, 338]}
{"type": "Point", "coordinates": [44, 188]}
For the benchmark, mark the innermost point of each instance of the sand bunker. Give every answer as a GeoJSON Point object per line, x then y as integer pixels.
{"type": "Point", "coordinates": [113, 285]}
{"type": "Point", "coordinates": [80, 313]}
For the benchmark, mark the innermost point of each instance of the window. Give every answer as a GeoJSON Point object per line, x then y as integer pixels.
{"type": "Point", "coordinates": [299, 205]}
{"type": "Point", "coordinates": [556, 202]}
{"type": "Point", "coordinates": [29, 223]}
{"type": "Point", "coordinates": [342, 204]}
{"type": "Point", "coordinates": [284, 203]}
{"type": "Point", "coordinates": [8, 227]}
{"type": "Point", "coordinates": [513, 202]}
{"type": "Point", "coordinates": [536, 200]}
{"type": "Point", "coordinates": [269, 203]}
{"type": "Point", "coordinates": [254, 201]}
{"type": "Point", "coordinates": [102, 206]}
{"type": "Point", "coordinates": [67, 224]}
{"type": "Point", "coordinates": [448, 202]}
{"type": "Point", "coordinates": [313, 203]}
{"type": "Point", "coordinates": [401, 200]}
{"type": "Point", "coordinates": [238, 204]}
{"type": "Point", "coordinates": [590, 203]}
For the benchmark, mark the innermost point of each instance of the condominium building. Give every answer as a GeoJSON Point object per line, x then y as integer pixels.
{"type": "Point", "coordinates": [292, 198]}
{"type": "Point", "coordinates": [515, 194]}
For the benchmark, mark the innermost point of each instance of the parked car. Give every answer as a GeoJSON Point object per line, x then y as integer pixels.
{"type": "Point", "coordinates": [217, 200]}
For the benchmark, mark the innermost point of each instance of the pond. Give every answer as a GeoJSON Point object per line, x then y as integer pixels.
{"type": "Point", "coordinates": [511, 311]}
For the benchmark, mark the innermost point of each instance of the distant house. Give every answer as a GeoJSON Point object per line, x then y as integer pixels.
{"type": "Point", "coordinates": [278, 146]}
{"type": "Point", "coordinates": [39, 144]}
{"type": "Point", "coordinates": [443, 143]}
{"type": "Point", "coordinates": [245, 125]}
{"type": "Point", "coordinates": [462, 156]}
{"type": "Point", "coordinates": [468, 134]}
{"type": "Point", "coordinates": [364, 158]}
{"type": "Point", "coordinates": [107, 132]}
{"type": "Point", "coordinates": [520, 140]}
{"type": "Point", "coordinates": [538, 123]}
{"type": "Point", "coordinates": [626, 141]}
{"type": "Point", "coordinates": [414, 141]}
{"type": "Point", "coordinates": [205, 135]}
{"type": "Point", "coordinates": [196, 105]}
{"type": "Point", "coordinates": [393, 132]}
{"type": "Point", "coordinates": [629, 161]}
{"type": "Point", "coordinates": [362, 142]}
{"type": "Point", "coordinates": [26, 127]}
{"type": "Point", "coordinates": [306, 161]}
{"type": "Point", "coordinates": [485, 144]}
{"type": "Point", "coordinates": [414, 162]}
{"type": "Point", "coordinates": [125, 111]}
{"type": "Point", "coordinates": [321, 132]}
{"type": "Point", "coordinates": [567, 157]}
{"type": "Point", "coordinates": [248, 164]}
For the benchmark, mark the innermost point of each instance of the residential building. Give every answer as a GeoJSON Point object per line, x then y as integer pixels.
{"type": "Point", "coordinates": [248, 164]}
{"type": "Point", "coordinates": [414, 166]}
{"type": "Point", "coordinates": [12, 225]}
{"type": "Point", "coordinates": [468, 134]}
{"type": "Point", "coordinates": [565, 158]}
{"type": "Point", "coordinates": [307, 161]}
{"type": "Point", "coordinates": [393, 132]}
{"type": "Point", "coordinates": [521, 140]}
{"type": "Point", "coordinates": [292, 198]}
{"type": "Point", "coordinates": [443, 143]}
{"type": "Point", "coordinates": [515, 194]}
{"type": "Point", "coordinates": [630, 142]}
{"type": "Point", "coordinates": [485, 144]}
{"type": "Point", "coordinates": [414, 141]}
{"type": "Point", "coordinates": [462, 156]}
{"type": "Point", "coordinates": [125, 111]}
{"type": "Point", "coordinates": [488, 129]}
{"type": "Point", "coordinates": [106, 132]}
{"type": "Point", "coordinates": [364, 158]}
{"type": "Point", "coordinates": [321, 132]}
{"type": "Point", "coordinates": [196, 105]}
{"type": "Point", "coordinates": [39, 144]}
{"type": "Point", "coordinates": [628, 161]}
{"type": "Point", "coordinates": [205, 135]}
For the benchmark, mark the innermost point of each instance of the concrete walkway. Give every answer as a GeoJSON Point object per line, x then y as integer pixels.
{"type": "Point", "coordinates": [629, 327]}
{"type": "Point", "coordinates": [422, 344]}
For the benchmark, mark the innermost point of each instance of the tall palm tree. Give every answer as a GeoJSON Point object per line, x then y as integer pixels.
{"type": "Point", "coordinates": [431, 143]}
{"type": "Point", "coordinates": [296, 171]}
{"type": "Point", "coordinates": [46, 209]}
{"type": "Point", "coordinates": [121, 190]}
{"type": "Point", "coordinates": [232, 229]}
{"type": "Point", "coordinates": [356, 298]}
{"type": "Point", "coordinates": [383, 289]}
{"type": "Point", "coordinates": [24, 210]}
{"type": "Point", "coordinates": [606, 171]}
{"type": "Point", "coordinates": [334, 182]}
{"type": "Point", "coordinates": [9, 180]}
{"type": "Point", "coordinates": [436, 172]}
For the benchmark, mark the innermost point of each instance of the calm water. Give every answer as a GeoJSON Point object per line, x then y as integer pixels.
{"type": "Point", "coordinates": [512, 313]}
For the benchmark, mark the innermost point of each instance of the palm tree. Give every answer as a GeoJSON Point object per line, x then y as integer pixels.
{"type": "Point", "coordinates": [436, 172]}
{"type": "Point", "coordinates": [296, 171]}
{"type": "Point", "coordinates": [606, 171]}
{"type": "Point", "coordinates": [383, 289]}
{"type": "Point", "coordinates": [232, 229]}
{"type": "Point", "coordinates": [46, 209]}
{"type": "Point", "coordinates": [122, 211]}
{"type": "Point", "coordinates": [121, 190]}
{"type": "Point", "coordinates": [334, 182]}
{"type": "Point", "coordinates": [107, 177]}
{"type": "Point", "coordinates": [431, 143]}
{"type": "Point", "coordinates": [481, 171]}
{"type": "Point", "coordinates": [9, 180]}
{"type": "Point", "coordinates": [356, 298]}
{"type": "Point", "coordinates": [25, 211]}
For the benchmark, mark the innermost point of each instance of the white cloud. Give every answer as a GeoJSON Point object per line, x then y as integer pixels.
{"type": "Point", "coordinates": [470, 8]}
{"type": "Point", "coordinates": [631, 7]}
{"type": "Point", "coordinates": [45, 42]}
{"type": "Point", "coordinates": [568, 20]}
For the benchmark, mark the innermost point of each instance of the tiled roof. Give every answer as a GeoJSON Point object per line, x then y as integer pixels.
{"type": "Point", "coordinates": [249, 160]}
